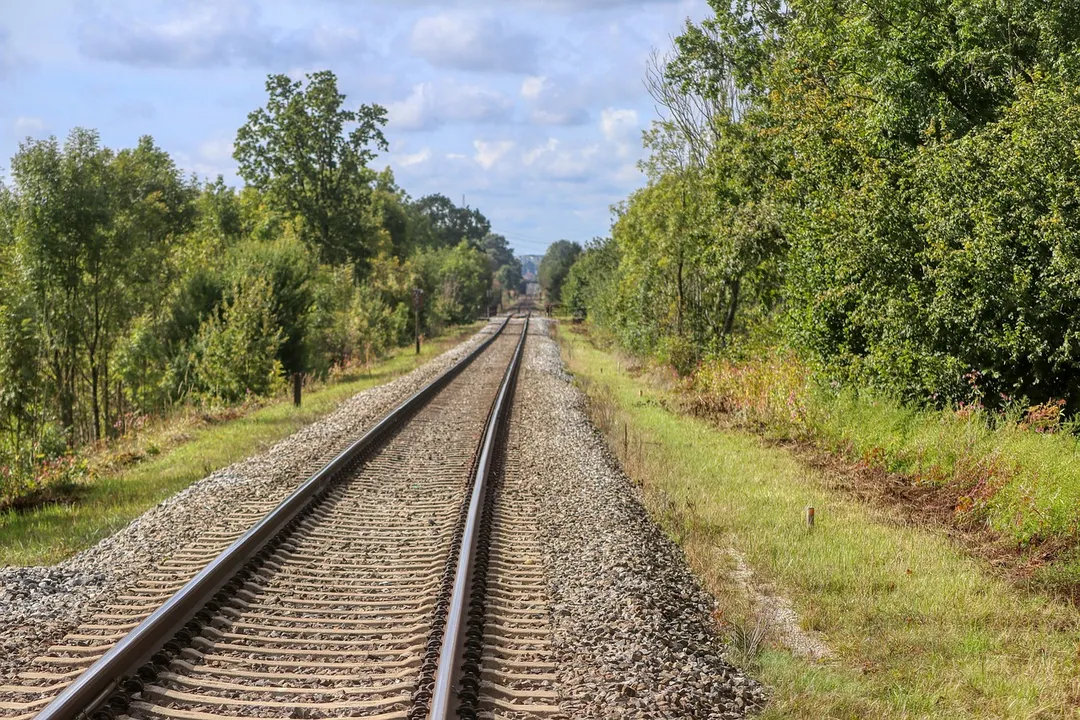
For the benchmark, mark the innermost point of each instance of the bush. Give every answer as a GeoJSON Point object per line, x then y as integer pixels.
{"type": "Point", "coordinates": [237, 351]}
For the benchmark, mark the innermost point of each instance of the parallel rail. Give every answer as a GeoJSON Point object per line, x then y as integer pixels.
{"type": "Point", "coordinates": [136, 658]}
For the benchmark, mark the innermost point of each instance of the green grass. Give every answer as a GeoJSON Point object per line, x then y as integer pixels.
{"type": "Point", "coordinates": [917, 628]}
{"type": "Point", "coordinates": [993, 470]}
{"type": "Point", "coordinates": [109, 502]}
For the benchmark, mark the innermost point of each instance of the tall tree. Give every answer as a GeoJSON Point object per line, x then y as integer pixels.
{"type": "Point", "coordinates": [301, 151]}
{"type": "Point", "coordinates": [448, 224]}
{"type": "Point", "coordinates": [64, 229]}
{"type": "Point", "coordinates": [555, 266]}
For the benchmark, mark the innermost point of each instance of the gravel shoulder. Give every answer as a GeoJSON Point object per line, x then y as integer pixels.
{"type": "Point", "coordinates": [40, 604]}
{"type": "Point", "coordinates": [634, 636]}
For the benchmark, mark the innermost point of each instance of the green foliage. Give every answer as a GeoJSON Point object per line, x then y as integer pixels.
{"type": "Point", "coordinates": [896, 183]}
{"type": "Point", "coordinates": [457, 283]}
{"type": "Point", "coordinates": [297, 151]}
{"type": "Point", "coordinates": [554, 267]}
{"type": "Point", "coordinates": [438, 223]}
{"type": "Point", "coordinates": [237, 350]}
{"type": "Point", "coordinates": [126, 289]}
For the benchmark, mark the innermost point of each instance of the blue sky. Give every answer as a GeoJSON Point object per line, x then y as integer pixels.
{"type": "Point", "coordinates": [530, 109]}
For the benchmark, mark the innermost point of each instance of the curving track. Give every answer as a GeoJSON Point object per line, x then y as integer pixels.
{"type": "Point", "coordinates": [344, 613]}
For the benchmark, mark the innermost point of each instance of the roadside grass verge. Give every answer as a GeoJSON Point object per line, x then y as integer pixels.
{"type": "Point", "coordinates": [1015, 474]}
{"type": "Point", "coordinates": [110, 500]}
{"type": "Point", "coordinates": [916, 627]}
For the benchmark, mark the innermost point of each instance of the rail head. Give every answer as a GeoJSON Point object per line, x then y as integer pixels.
{"type": "Point", "coordinates": [452, 652]}
{"type": "Point", "coordinates": [89, 692]}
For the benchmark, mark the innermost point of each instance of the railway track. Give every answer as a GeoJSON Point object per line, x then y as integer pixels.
{"type": "Point", "coordinates": [401, 581]}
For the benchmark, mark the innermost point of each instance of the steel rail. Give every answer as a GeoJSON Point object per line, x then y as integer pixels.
{"type": "Point", "coordinates": [110, 673]}
{"type": "Point", "coordinates": [451, 655]}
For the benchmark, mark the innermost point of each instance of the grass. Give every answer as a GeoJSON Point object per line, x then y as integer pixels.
{"type": "Point", "coordinates": [111, 500]}
{"type": "Point", "coordinates": [1016, 474]}
{"type": "Point", "coordinates": [916, 628]}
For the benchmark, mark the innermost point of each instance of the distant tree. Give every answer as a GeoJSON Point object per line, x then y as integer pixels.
{"type": "Point", "coordinates": [555, 266]}
{"type": "Point", "coordinates": [509, 276]}
{"type": "Point", "coordinates": [299, 151]}
{"type": "Point", "coordinates": [446, 223]}
{"type": "Point", "coordinates": [497, 250]}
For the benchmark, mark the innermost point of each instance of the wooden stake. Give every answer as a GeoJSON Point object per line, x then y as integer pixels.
{"type": "Point", "coordinates": [810, 516]}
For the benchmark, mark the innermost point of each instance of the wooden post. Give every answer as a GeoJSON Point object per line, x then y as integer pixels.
{"type": "Point", "coordinates": [297, 387]}
{"type": "Point", "coordinates": [417, 301]}
{"type": "Point", "coordinates": [810, 517]}
{"type": "Point", "coordinates": [625, 445]}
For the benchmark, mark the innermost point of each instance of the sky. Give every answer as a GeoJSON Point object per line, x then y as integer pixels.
{"type": "Point", "coordinates": [529, 110]}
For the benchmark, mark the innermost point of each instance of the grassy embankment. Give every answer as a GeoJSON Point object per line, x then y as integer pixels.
{"type": "Point", "coordinates": [191, 450]}
{"type": "Point", "coordinates": [917, 628]}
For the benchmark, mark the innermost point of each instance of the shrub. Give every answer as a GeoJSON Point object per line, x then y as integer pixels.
{"type": "Point", "coordinates": [237, 350]}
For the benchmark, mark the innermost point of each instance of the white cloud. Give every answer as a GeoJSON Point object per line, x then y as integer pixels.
{"type": "Point", "coordinates": [537, 152]}
{"type": "Point", "coordinates": [489, 153]}
{"type": "Point", "coordinates": [557, 101]}
{"type": "Point", "coordinates": [202, 34]}
{"type": "Point", "coordinates": [620, 127]}
{"type": "Point", "coordinates": [532, 86]}
{"type": "Point", "coordinates": [32, 126]}
{"type": "Point", "coordinates": [471, 42]}
{"type": "Point", "coordinates": [429, 106]}
{"type": "Point", "coordinates": [617, 124]}
{"type": "Point", "coordinates": [417, 158]}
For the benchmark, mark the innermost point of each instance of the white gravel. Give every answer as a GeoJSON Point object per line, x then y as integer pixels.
{"type": "Point", "coordinates": [634, 635]}
{"type": "Point", "coordinates": [40, 604]}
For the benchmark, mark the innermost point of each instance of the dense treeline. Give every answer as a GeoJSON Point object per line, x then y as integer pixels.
{"type": "Point", "coordinates": [890, 188]}
{"type": "Point", "coordinates": [126, 288]}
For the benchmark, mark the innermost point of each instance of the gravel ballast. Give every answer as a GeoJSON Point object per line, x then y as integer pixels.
{"type": "Point", "coordinates": [40, 604]}
{"type": "Point", "coordinates": [633, 632]}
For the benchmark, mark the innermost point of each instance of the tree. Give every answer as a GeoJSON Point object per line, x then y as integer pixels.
{"type": "Point", "coordinates": [299, 151]}
{"type": "Point", "coordinates": [237, 350]}
{"type": "Point", "coordinates": [555, 265]}
{"type": "Point", "coordinates": [64, 233]}
{"type": "Point", "coordinates": [497, 250]}
{"type": "Point", "coordinates": [438, 222]}
{"type": "Point", "coordinates": [509, 276]}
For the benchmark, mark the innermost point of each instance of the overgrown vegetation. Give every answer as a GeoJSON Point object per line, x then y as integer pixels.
{"type": "Point", "coordinates": [141, 469]}
{"type": "Point", "coordinates": [862, 228]}
{"type": "Point", "coordinates": [128, 289]}
{"type": "Point", "coordinates": [915, 627]}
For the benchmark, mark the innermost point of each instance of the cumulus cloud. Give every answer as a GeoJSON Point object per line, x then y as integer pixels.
{"type": "Point", "coordinates": [620, 127]}
{"type": "Point", "coordinates": [429, 106]}
{"type": "Point", "coordinates": [416, 158]}
{"type": "Point", "coordinates": [472, 42]}
{"type": "Point", "coordinates": [556, 101]}
{"type": "Point", "coordinates": [489, 153]}
{"type": "Point", "coordinates": [529, 157]}
{"type": "Point", "coordinates": [203, 34]}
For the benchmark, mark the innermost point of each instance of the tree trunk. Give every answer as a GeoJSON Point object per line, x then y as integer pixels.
{"type": "Point", "coordinates": [679, 293]}
{"type": "Point", "coordinates": [109, 430]}
{"type": "Point", "coordinates": [297, 388]}
{"type": "Point", "coordinates": [95, 407]}
{"type": "Point", "coordinates": [65, 397]}
{"type": "Point", "coordinates": [729, 321]}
